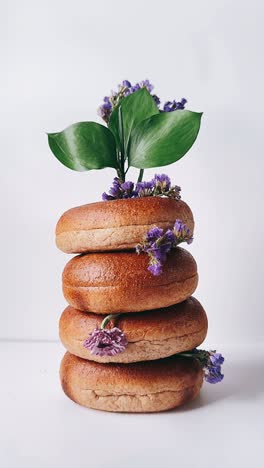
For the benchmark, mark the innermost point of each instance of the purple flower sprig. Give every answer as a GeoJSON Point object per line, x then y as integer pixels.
{"type": "Point", "coordinates": [106, 342]}
{"type": "Point", "coordinates": [125, 89]}
{"type": "Point", "coordinates": [120, 190]}
{"type": "Point", "coordinates": [171, 106]}
{"type": "Point", "coordinates": [211, 362]}
{"type": "Point", "coordinates": [160, 185]}
{"type": "Point", "coordinates": [157, 244]}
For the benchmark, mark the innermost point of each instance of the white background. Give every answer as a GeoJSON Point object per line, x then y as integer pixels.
{"type": "Point", "coordinates": [59, 59]}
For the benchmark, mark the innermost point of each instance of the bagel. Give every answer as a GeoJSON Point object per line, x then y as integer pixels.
{"type": "Point", "coordinates": [114, 282]}
{"type": "Point", "coordinates": [117, 224]}
{"type": "Point", "coordinates": [151, 335]}
{"type": "Point", "coordinates": [139, 387]}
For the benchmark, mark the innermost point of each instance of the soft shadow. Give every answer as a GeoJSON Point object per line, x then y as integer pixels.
{"type": "Point", "coordinates": [242, 381]}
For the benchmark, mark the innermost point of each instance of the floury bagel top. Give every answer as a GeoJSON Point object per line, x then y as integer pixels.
{"type": "Point", "coordinates": [118, 224]}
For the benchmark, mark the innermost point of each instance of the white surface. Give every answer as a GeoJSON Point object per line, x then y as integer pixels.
{"type": "Point", "coordinates": [59, 59]}
{"type": "Point", "coordinates": [40, 427]}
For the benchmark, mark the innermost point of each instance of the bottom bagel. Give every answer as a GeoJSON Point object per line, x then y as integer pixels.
{"type": "Point", "coordinates": [133, 388]}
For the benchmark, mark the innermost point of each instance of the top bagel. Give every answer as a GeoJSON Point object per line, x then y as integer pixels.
{"type": "Point", "coordinates": [117, 224]}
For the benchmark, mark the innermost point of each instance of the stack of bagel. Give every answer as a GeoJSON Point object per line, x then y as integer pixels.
{"type": "Point", "coordinates": [159, 316]}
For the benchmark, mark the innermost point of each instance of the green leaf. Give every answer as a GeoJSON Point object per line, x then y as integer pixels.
{"type": "Point", "coordinates": [163, 139]}
{"type": "Point", "coordinates": [135, 108]}
{"type": "Point", "coordinates": [84, 146]}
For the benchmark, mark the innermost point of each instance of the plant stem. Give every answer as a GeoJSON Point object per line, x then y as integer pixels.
{"type": "Point", "coordinates": [121, 174]}
{"type": "Point", "coordinates": [122, 144]}
{"type": "Point", "coordinates": [186, 354]}
{"type": "Point", "coordinates": [140, 176]}
{"type": "Point", "coordinates": [107, 320]}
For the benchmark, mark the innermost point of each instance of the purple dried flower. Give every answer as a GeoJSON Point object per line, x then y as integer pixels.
{"type": "Point", "coordinates": [213, 375]}
{"type": "Point", "coordinates": [155, 268]}
{"type": "Point", "coordinates": [154, 234]}
{"type": "Point", "coordinates": [157, 244]}
{"type": "Point", "coordinates": [171, 106]}
{"type": "Point", "coordinates": [182, 233]}
{"type": "Point", "coordinates": [156, 99]}
{"type": "Point", "coordinates": [144, 189]}
{"type": "Point", "coordinates": [116, 191]}
{"type": "Point", "coordinates": [212, 369]}
{"type": "Point", "coordinates": [167, 106]}
{"type": "Point", "coordinates": [124, 89]}
{"type": "Point", "coordinates": [128, 189]}
{"type": "Point", "coordinates": [169, 237]}
{"type": "Point", "coordinates": [161, 183]}
{"type": "Point", "coordinates": [181, 104]}
{"type": "Point", "coordinates": [162, 186]}
{"type": "Point", "coordinates": [106, 342]}
{"type": "Point", "coordinates": [211, 362]}
{"type": "Point", "coordinates": [159, 251]}
{"type": "Point", "coordinates": [146, 84]}
{"type": "Point", "coordinates": [106, 197]}
{"type": "Point", "coordinates": [135, 88]}
{"type": "Point", "coordinates": [174, 192]}
{"type": "Point", "coordinates": [216, 358]}
{"type": "Point", "coordinates": [158, 248]}
{"type": "Point", "coordinates": [120, 190]}
{"type": "Point", "coordinates": [107, 104]}
{"type": "Point", "coordinates": [126, 83]}
{"type": "Point", "coordinates": [105, 109]}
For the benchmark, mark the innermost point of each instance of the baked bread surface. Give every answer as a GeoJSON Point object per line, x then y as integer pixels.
{"type": "Point", "coordinates": [151, 335]}
{"type": "Point", "coordinates": [139, 387]}
{"type": "Point", "coordinates": [117, 224]}
{"type": "Point", "coordinates": [113, 282]}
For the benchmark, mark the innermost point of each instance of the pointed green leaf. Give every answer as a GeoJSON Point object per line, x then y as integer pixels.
{"type": "Point", "coordinates": [163, 139]}
{"type": "Point", "coordinates": [135, 108]}
{"type": "Point", "coordinates": [84, 146]}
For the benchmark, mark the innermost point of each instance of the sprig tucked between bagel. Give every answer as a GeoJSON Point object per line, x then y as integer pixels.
{"type": "Point", "coordinates": [105, 341]}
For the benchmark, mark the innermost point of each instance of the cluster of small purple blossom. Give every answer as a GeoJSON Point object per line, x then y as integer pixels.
{"type": "Point", "coordinates": [157, 244]}
{"type": "Point", "coordinates": [171, 106]}
{"type": "Point", "coordinates": [106, 342]}
{"type": "Point", "coordinates": [213, 369]}
{"type": "Point", "coordinates": [158, 186]}
{"type": "Point", "coordinates": [125, 89]}
{"type": "Point", "coordinates": [211, 362]}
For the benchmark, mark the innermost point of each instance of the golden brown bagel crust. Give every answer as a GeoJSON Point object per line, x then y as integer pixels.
{"type": "Point", "coordinates": [117, 224]}
{"type": "Point", "coordinates": [151, 335]}
{"type": "Point", "coordinates": [139, 387]}
{"type": "Point", "coordinates": [113, 282]}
